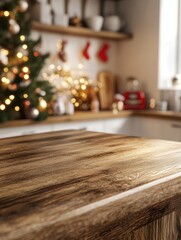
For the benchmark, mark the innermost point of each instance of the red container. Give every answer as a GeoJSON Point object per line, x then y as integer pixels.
{"type": "Point", "coordinates": [134, 100]}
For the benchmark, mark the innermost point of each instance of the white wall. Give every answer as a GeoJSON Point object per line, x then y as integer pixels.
{"type": "Point", "coordinates": [74, 48]}
{"type": "Point", "coordinates": [76, 44]}
{"type": "Point", "coordinates": [139, 56]}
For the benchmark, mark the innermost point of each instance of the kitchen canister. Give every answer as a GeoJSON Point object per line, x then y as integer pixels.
{"type": "Point", "coordinates": [162, 105]}
{"type": "Point", "coordinates": [113, 23]}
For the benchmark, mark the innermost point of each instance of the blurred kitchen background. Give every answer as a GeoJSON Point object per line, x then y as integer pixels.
{"type": "Point", "coordinates": [105, 55]}
{"type": "Point", "coordinates": [151, 55]}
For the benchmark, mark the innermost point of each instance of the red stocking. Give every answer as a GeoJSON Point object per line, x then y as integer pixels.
{"type": "Point", "coordinates": [102, 54]}
{"type": "Point", "coordinates": [85, 51]}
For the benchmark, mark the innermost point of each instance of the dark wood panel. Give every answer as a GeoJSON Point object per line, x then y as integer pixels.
{"type": "Point", "coordinates": [165, 228]}
{"type": "Point", "coordinates": [83, 185]}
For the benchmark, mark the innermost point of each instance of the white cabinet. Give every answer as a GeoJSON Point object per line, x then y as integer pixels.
{"type": "Point", "coordinates": [118, 126]}
{"type": "Point", "coordinates": [156, 128]}
{"type": "Point", "coordinates": [95, 126]}
{"type": "Point", "coordinates": [170, 130]}
{"type": "Point", "coordinates": [26, 130]}
{"type": "Point", "coordinates": [146, 127]}
{"type": "Point", "coordinates": [132, 126]}
{"type": "Point", "coordinates": [115, 126]}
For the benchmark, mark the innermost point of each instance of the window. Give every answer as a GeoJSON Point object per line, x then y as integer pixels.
{"type": "Point", "coordinates": [170, 44]}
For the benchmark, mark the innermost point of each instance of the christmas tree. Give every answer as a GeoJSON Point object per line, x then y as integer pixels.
{"type": "Point", "coordinates": [22, 93]}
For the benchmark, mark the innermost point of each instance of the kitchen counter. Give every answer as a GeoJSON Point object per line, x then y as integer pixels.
{"type": "Point", "coordinates": [87, 116]}
{"type": "Point", "coordinates": [78, 116]}
{"type": "Point", "coordinates": [85, 185]}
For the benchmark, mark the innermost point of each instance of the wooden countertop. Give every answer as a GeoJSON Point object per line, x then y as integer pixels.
{"type": "Point", "coordinates": [89, 116]}
{"type": "Point", "coordinates": [78, 116]}
{"type": "Point", "coordinates": [84, 185]}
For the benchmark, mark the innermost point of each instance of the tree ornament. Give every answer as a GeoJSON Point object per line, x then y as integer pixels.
{"type": "Point", "coordinates": [42, 104]}
{"type": "Point", "coordinates": [14, 28]}
{"type": "Point", "coordinates": [61, 50]}
{"type": "Point", "coordinates": [23, 6]}
{"type": "Point", "coordinates": [32, 113]}
{"type": "Point", "coordinates": [3, 57]}
{"type": "Point", "coordinates": [15, 70]}
{"type": "Point", "coordinates": [13, 87]}
{"type": "Point", "coordinates": [26, 103]}
{"type": "Point", "coordinates": [85, 52]}
{"type": "Point", "coordinates": [25, 83]}
{"type": "Point", "coordinates": [23, 51]}
{"type": "Point", "coordinates": [36, 53]}
{"type": "Point", "coordinates": [102, 54]}
{"type": "Point", "coordinates": [9, 75]}
{"type": "Point", "coordinates": [41, 92]}
{"type": "Point", "coordinates": [4, 82]}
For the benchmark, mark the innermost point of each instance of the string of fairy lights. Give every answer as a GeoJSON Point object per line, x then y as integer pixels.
{"type": "Point", "coordinates": [75, 85]}
{"type": "Point", "coordinates": [9, 72]}
{"type": "Point", "coordinates": [8, 75]}
{"type": "Point", "coordinates": [11, 65]}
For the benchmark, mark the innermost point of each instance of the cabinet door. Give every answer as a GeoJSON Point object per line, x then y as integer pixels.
{"type": "Point", "coordinates": [118, 126]}
{"type": "Point", "coordinates": [156, 128]}
{"type": "Point", "coordinates": [95, 126]}
{"type": "Point", "coordinates": [28, 130]}
{"type": "Point", "coordinates": [171, 130]}
{"type": "Point", "coordinates": [146, 127]}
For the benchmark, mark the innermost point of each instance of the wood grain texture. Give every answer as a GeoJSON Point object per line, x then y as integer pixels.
{"type": "Point", "coordinates": [83, 185]}
{"type": "Point", "coordinates": [178, 224]}
{"type": "Point", "coordinates": [165, 228]}
{"type": "Point", "coordinates": [90, 116]}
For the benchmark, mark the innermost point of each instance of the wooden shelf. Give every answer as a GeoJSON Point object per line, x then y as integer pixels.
{"type": "Point", "coordinates": [79, 31]}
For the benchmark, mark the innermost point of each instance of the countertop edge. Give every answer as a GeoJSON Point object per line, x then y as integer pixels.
{"type": "Point", "coordinates": [104, 218]}
{"type": "Point", "coordinates": [140, 216]}
{"type": "Point", "coordinates": [90, 116]}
